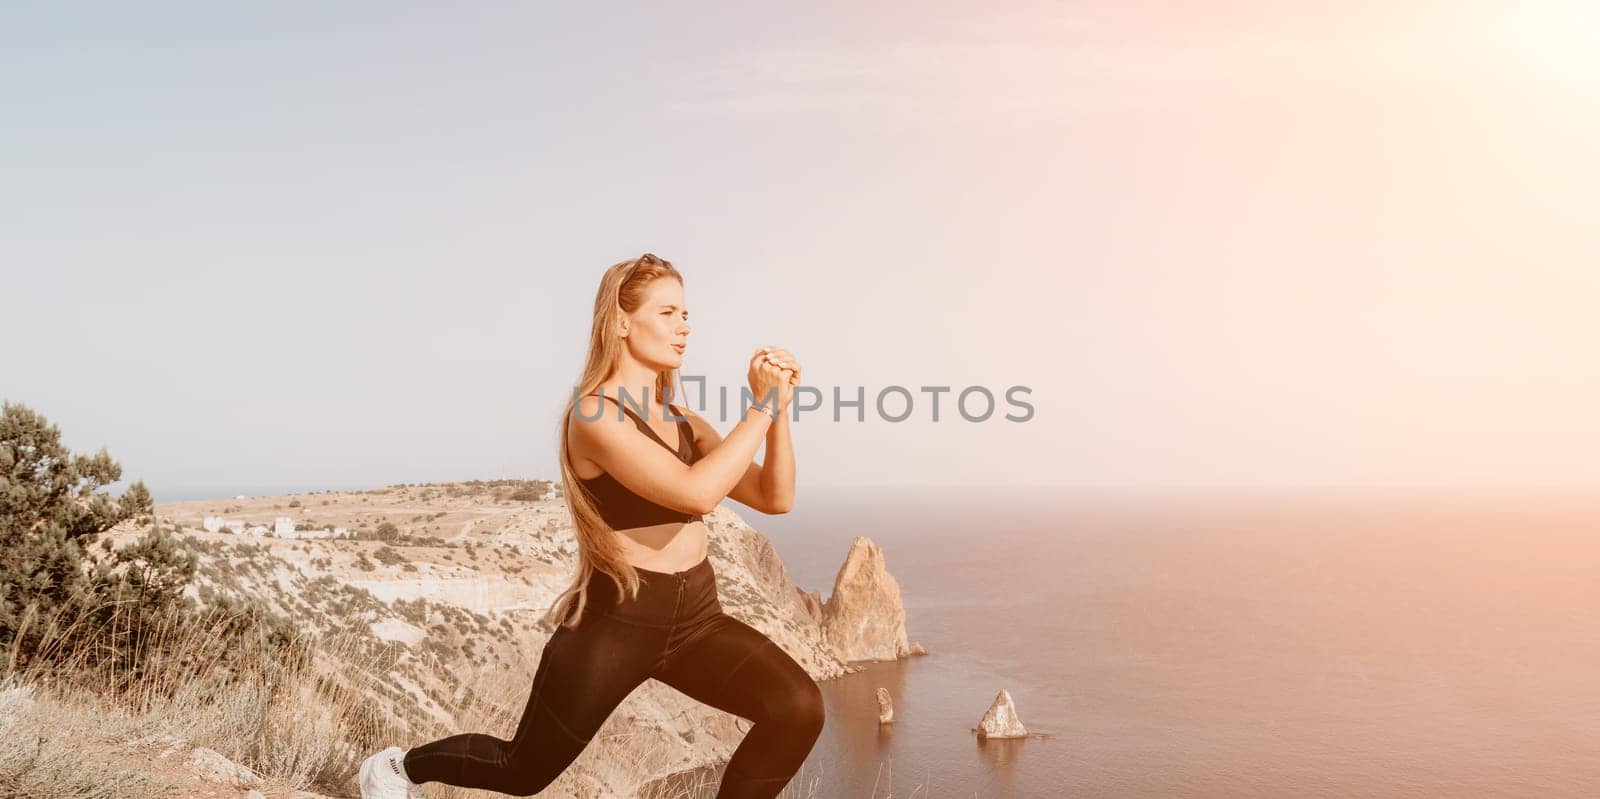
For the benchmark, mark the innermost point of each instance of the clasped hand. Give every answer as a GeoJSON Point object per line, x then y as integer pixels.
{"type": "Point", "coordinates": [774, 372]}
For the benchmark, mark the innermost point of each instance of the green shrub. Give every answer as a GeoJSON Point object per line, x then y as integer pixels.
{"type": "Point", "coordinates": [60, 605]}
{"type": "Point", "coordinates": [49, 503]}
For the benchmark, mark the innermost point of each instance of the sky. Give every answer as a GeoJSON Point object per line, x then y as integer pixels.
{"type": "Point", "coordinates": [1225, 246]}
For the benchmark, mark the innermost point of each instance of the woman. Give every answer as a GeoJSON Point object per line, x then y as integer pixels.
{"type": "Point", "coordinates": [644, 602]}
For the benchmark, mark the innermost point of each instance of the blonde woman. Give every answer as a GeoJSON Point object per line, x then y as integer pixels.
{"type": "Point", "coordinates": [640, 473]}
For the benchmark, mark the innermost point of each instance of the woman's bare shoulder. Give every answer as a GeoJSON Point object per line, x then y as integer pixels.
{"type": "Point", "coordinates": [593, 417]}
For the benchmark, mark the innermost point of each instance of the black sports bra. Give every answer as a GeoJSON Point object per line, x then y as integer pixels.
{"type": "Point", "coordinates": [619, 506]}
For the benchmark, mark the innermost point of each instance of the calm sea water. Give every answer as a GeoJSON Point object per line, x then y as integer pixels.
{"type": "Point", "coordinates": [1269, 648]}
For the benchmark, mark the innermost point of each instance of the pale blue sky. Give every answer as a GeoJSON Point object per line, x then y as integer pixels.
{"type": "Point", "coordinates": [304, 246]}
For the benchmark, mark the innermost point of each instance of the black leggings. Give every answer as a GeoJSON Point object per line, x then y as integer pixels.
{"type": "Point", "coordinates": [675, 632]}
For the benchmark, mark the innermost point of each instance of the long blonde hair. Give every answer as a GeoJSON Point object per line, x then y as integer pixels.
{"type": "Point", "coordinates": [621, 292]}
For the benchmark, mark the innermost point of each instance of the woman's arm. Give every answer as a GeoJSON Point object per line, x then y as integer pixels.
{"type": "Point", "coordinates": [768, 487]}
{"type": "Point", "coordinates": [777, 469]}
{"type": "Point", "coordinates": [646, 468]}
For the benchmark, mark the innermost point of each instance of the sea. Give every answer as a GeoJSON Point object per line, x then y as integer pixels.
{"type": "Point", "coordinates": [1330, 645]}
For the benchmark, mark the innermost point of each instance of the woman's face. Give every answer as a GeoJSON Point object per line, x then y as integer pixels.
{"type": "Point", "coordinates": [660, 325]}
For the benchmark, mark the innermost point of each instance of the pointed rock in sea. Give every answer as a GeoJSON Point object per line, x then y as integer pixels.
{"type": "Point", "coordinates": [864, 618]}
{"type": "Point", "coordinates": [1000, 720]}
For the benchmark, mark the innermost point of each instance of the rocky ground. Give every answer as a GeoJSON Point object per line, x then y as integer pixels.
{"type": "Point", "coordinates": [452, 605]}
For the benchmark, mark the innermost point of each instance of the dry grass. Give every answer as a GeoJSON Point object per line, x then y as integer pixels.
{"type": "Point", "coordinates": [42, 748]}
{"type": "Point", "coordinates": [283, 713]}
{"type": "Point", "coordinates": [74, 725]}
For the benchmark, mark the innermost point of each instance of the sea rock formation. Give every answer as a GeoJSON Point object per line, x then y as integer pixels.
{"type": "Point", "coordinates": [813, 602]}
{"type": "Point", "coordinates": [863, 617]}
{"type": "Point", "coordinates": [885, 707]}
{"type": "Point", "coordinates": [1000, 720]}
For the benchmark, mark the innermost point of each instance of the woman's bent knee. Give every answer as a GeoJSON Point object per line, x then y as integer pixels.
{"type": "Point", "coordinates": [800, 710]}
{"type": "Point", "coordinates": [539, 763]}
{"type": "Point", "coordinates": [530, 780]}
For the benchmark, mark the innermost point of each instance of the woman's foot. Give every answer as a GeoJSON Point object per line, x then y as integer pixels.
{"type": "Point", "coordinates": [383, 776]}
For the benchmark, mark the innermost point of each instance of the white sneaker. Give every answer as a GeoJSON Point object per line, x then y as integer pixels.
{"type": "Point", "coordinates": [383, 776]}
